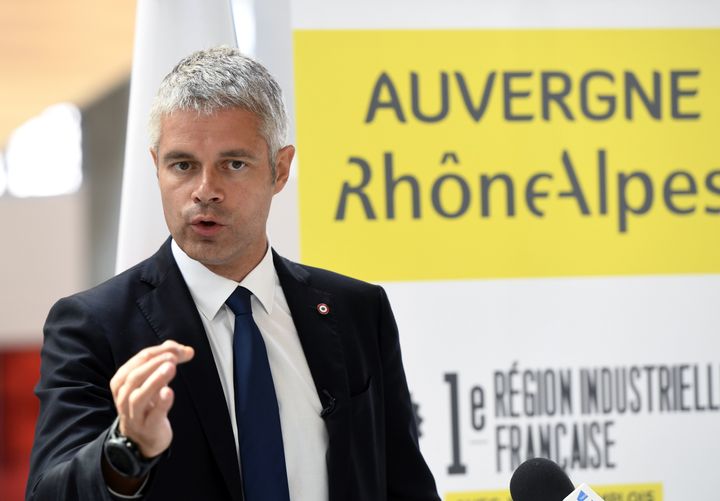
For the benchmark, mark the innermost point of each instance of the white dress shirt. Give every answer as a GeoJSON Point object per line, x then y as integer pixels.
{"type": "Point", "coordinates": [304, 434]}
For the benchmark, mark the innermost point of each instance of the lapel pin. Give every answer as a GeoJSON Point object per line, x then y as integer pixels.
{"type": "Point", "coordinates": [323, 309]}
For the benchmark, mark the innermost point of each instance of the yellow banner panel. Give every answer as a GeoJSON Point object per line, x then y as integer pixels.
{"type": "Point", "coordinates": [509, 153]}
{"type": "Point", "coordinates": [502, 495]}
{"type": "Point", "coordinates": [627, 492]}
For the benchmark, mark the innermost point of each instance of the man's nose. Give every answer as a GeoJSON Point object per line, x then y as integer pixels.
{"type": "Point", "coordinates": [209, 188]}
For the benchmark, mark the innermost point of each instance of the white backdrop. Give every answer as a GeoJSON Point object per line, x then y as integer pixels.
{"type": "Point", "coordinates": [657, 332]}
{"type": "Point", "coordinates": [461, 335]}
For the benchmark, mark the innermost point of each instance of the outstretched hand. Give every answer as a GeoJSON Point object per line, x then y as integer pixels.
{"type": "Point", "coordinates": [143, 398]}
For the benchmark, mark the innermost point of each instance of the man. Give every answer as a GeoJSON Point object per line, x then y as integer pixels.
{"type": "Point", "coordinates": [217, 369]}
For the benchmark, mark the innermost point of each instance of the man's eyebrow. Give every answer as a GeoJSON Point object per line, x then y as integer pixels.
{"type": "Point", "coordinates": [238, 153]}
{"type": "Point", "coordinates": [173, 155]}
{"type": "Point", "coordinates": [177, 155]}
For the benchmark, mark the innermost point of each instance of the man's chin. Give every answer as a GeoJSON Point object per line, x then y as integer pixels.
{"type": "Point", "coordinates": [207, 252]}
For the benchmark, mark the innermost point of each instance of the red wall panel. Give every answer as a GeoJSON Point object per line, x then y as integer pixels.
{"type": "Point", "coordinates": [19, 371]}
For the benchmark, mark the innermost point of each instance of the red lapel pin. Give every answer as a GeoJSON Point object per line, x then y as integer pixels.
{"type": "Point", "coordinates": [323, 309]}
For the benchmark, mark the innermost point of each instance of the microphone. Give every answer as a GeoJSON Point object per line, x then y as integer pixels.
{"type": "Point", "coordinates": [540, 479]}
{"type": "Point", "coordinates": [328, 404]}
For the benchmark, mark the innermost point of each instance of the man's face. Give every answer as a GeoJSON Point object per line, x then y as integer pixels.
{"type": "Point", "coordinates": [216, 185]}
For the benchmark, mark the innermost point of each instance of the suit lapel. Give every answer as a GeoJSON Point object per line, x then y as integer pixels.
{"type": "Point", "coordinates": [171, 312]}
{"type": "Point", "coordinates": [320, 339]}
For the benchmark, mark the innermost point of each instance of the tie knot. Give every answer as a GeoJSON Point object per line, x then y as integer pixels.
{"type": "Point", "coordinates": [239, 301]}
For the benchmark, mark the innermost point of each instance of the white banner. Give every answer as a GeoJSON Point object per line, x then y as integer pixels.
{"type": "Point", "coordinates": [536, 185]}
{"type": "Point", "coordinates": [165, 32]}
{"type": "Point", "coordinates": [586, 334]}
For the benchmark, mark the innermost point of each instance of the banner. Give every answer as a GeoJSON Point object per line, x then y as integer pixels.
{"type": "Point", "coordinates": [165, 32]}
{"type": "Point", "coordinates": [541, 204]}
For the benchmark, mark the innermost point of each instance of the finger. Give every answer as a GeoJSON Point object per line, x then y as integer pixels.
{"type": "Point", "coordinates": [182, 352]}
{"type": "Point", "coordinates": [186, 354]}
{"type": "Point", "coordinates": [140, 398]}
{"type": "Point", "coordinates": [138, 359]}
{"type": "Point", "coordinates": [164, 402]}
{"type": "Point", "coordinates": [137, 377]}
{"type": "Point", "coordinates": [157, 417]}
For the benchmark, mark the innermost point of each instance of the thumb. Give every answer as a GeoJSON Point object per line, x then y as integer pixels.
{"type": "Point", "coordinates": [164, 402]}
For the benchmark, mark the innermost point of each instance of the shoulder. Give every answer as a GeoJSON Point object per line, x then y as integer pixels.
{"type": "Point", "coordinates": [359, 299]}
{"type": "Point", "coordinates": [321, 278]}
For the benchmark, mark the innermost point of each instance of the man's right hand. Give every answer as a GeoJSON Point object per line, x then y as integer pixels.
{"type": "Point", "coordinates": [143, 398]}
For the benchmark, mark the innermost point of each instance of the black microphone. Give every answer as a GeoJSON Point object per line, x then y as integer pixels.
{"type": "Point", "coordinates": [539, 479]}
{"type": "Point", "coordinates": [328, 404]}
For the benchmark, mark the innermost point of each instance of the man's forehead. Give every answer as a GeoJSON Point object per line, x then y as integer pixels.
{"type": "Point", "coordinates": [227, 129]}
{"type": "Point", "coordinates": [210, 115]}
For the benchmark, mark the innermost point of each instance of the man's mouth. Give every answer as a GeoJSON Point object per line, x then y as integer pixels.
{"type": "Point", "coordinates": [205, 226]}
{"type": "Point", "coordinates": [207, 221]}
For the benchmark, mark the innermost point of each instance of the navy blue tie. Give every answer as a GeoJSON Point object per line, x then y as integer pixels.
{"type": "Point", "coordinates": [256, 408]}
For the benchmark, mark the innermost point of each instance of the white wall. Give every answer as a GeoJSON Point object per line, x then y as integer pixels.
{"type": "Point", "coordinates": [42, 258]}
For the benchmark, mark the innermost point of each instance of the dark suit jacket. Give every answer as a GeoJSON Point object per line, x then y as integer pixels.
{"type": "Point", "coordinates": [353, 354]}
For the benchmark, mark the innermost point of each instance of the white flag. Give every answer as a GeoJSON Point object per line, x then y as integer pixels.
{"type": "Point", "coordinates": [165, 32]}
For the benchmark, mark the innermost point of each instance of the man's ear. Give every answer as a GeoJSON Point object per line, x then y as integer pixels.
{"type": "Point", "coordinates": [154, 155]}
{"type": "Point", "coordinates": [283, 160]}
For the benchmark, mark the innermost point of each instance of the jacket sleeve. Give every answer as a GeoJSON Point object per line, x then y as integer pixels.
{"type": "Point", "coordinates": [76, 407]}
{"type": "Point", "coordinates": [408, 476]}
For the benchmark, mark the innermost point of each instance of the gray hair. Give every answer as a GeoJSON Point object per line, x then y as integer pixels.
{"type": "Point", "coordinates": [220, 78]}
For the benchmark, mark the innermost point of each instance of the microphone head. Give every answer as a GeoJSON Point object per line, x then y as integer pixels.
{"type": "Point", "coordinates": [540, 479]}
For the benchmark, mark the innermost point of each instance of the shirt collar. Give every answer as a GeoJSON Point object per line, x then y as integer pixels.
{"type": "Point", "coordinates": [210, 291]}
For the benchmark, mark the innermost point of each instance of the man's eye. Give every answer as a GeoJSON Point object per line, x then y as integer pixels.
{"type": "Point", "coordinates": [236, 164]}
{"type": "Point", "coordinates": [181, 166]}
